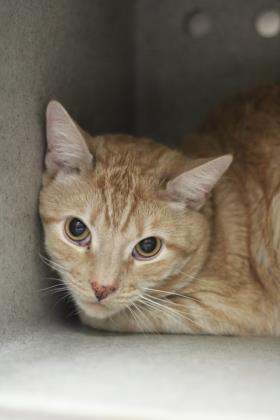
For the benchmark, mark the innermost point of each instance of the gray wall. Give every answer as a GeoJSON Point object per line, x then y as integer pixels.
{"type": "Point", "coordinates": [117, 66]}
{"type": "Point", "coordinates": [78, 52]}
{"type": "Point", "coordinates": [178, 78]}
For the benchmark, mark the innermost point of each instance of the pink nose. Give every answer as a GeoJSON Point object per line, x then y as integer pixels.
{"type": "Point", "coordinates": [101, 292]}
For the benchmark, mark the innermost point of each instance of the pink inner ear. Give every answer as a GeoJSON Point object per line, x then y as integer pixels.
{"type": "Point", "coordinates": [193, 186]}
{"type": "Point", "coordinates": [66, 146]}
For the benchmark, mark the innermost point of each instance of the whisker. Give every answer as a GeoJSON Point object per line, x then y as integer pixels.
{"type": "Point", "coordinates": [142, 314]}
{"type": "Point", "coordinates": [75, 312]}
{"type": "Point", "coordinates": [190, 276]}
{"type": "Point", "coordinates": [135, 317]}
{"type": "Point", "coordinates": [179, 315]}
{"type": "Point", "coordinates": [136, 313]}
{"type": "Point", "coordinates": [171, 293]}
{"type": "Point", "coordinates": [150, 306]}
{"type": "Point", "coordinates": [168, 301]}
{"type": "Point", "coordinates": [54, 286]}
{"type": "Point", "coordinates": [52, 264]}
{"type": "Point", "coordinates": [166, 308]}
{"type": "Point", "coordinates": [54, 291]}
{"type": "Point", "coordinates": [66, 296]}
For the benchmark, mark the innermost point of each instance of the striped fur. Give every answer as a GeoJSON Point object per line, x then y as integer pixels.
{"type": "Point", "coordinates": [219, 270]}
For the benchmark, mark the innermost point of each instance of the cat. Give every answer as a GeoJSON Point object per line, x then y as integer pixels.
{"type": "Point", "coordinates": [151, 239]}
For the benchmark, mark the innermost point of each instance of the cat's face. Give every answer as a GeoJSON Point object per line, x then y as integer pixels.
{"type": "Point", "coordinates": [120, 219]}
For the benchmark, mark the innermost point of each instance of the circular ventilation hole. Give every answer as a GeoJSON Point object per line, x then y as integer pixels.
{"type": "Point", "coordinates": [267, 23]}
{"type": "Point", "coordinates": [197, 24]}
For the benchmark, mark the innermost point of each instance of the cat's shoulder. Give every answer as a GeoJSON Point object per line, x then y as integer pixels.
{"type": "Point", "coordinates": [247, 121]}
{"type": "Point", "coordinates": [259, 104]}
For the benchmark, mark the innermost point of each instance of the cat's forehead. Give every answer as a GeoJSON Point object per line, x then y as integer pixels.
{"type": "Point", "coordinates": [121, 203]}
{"type": "Point", "coordinates": [123, 183]}
{"type": "Point", "coordinates": [111, 207]}
{"type": "Point", "coordinates": [126, 154]}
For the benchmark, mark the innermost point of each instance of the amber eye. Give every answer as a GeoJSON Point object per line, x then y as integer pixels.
{"type": "Point", "coordinates": [147, 248]}
{"type": "Point", "coordinates": [76, 230]}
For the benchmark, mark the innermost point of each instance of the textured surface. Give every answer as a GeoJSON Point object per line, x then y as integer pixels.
{"type": "Point", "coordinates": [117, 66]}
{"type": "Point", "coordinates": [83, 375]}
{"type": "Point", "coordinates": [49, 49]}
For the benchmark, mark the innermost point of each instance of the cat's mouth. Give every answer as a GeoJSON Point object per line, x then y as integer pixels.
{"type": "Point", "coordinates": [96, 309]}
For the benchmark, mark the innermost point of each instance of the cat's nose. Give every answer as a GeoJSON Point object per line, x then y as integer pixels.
{"type": "Point", "coordinates": [100, 291]}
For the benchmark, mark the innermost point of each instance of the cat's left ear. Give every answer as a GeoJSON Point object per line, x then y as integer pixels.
{"type": "Point", "coordinates": [192, 187]}
{"type": "Point", "coordinates": [67, 149]}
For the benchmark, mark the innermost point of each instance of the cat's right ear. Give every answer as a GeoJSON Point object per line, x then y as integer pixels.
{"type": "Point", "coordinates": [192, 186]}
{"type": "Point", "coordinates": [67, 150]}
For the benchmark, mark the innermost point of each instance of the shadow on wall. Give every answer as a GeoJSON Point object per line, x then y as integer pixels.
{"type": "Point", "coordinates": [190, 54]}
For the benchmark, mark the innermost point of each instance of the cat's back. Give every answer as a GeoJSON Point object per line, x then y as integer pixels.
{"type": "Point", "coordinates": [247, 125]}
{"type": "Point", "coordinates": [249, 128]}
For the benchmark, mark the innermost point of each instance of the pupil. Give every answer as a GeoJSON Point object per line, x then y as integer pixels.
{"type": "Point", "coordinates": [148, 244]}
{"type": "Point", "coordinates": [77, 227]}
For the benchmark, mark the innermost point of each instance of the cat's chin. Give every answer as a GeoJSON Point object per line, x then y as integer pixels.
{"type": "Point", "coordinates": [96, 309]}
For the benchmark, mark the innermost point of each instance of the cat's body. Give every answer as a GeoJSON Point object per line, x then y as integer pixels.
{"type": "Point", "coordinates": [218, 270]}
{"type": "Point", "coordinates": [243, 269]}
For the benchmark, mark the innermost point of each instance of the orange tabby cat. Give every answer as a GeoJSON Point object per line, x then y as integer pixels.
{"type": "Point", "coordinates": [149, 239]}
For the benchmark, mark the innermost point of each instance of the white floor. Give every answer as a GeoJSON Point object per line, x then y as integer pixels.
{"type": "Point", "coordinates": [72, 373]}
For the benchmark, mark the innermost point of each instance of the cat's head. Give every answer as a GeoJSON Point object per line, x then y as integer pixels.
{"type": "Point", "coordinates": [122, 216]}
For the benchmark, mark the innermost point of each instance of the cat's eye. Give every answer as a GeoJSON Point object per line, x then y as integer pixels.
{"type": "Point", "coordinates": [76, 230]}
{"type": "Point", "coordinates": [147, 248]}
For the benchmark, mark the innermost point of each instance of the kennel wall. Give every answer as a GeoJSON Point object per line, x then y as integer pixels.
{"type": "Point", "coordinates": [148, 68]}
